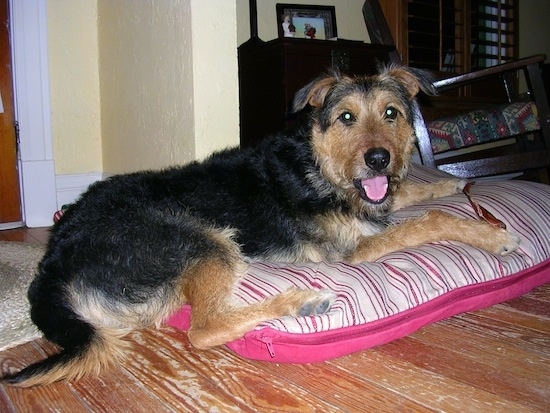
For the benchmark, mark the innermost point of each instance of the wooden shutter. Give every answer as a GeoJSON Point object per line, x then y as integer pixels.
{"type": "Point", "coordinates": [494, 32]}
{"type": "Point", "coordinates": [453, 36]}
{"type": "Point", "coordinates": [437, 34]}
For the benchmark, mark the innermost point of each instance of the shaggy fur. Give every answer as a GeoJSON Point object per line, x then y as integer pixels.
{"type": "Point", "coordinates": [136, 247]}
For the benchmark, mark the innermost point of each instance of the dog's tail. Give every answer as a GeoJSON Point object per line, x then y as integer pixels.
{"type": "Point", "coordinates": [88, 351]}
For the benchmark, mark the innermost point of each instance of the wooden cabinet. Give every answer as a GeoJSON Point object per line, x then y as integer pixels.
{"type": "Point", "coordinates": [270, 73]}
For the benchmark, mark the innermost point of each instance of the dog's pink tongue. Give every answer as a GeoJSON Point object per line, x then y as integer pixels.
{"type": "Point", "coordinates": [375, 188]}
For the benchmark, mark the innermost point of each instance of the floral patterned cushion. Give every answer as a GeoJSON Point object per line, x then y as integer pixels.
{"type": "Point", "coordinates": [482, 126]}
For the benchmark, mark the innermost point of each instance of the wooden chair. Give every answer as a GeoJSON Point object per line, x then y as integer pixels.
{"type": "Point", "coordinates": [501, 138]}
{"type": "Point", "coordinates": [522, 123]}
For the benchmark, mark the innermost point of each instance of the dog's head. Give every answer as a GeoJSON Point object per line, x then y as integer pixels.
{"type": "Point", "coordinates": [362, 132]}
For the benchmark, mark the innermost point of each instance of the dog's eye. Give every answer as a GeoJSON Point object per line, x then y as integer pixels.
{"type": "Point", "coordinates": [391, 113]}
{"type": "Point", "coordinates": [347, 117]}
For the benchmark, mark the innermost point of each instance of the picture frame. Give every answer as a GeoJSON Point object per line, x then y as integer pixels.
{"type": "Point", "coordinates": [303, 21]}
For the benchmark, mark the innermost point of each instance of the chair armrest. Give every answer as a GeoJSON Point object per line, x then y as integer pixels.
{"type": "Point", "coordinates": [478, 75]}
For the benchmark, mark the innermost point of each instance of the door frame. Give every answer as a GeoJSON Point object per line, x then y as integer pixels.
{"type": "Point", "coordinates": [28, 26]}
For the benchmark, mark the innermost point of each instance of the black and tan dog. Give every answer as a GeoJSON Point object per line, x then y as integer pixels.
{"type": "Point", "coordinates": [136, 247]}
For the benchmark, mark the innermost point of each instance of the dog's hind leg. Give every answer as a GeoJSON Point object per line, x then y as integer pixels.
{"type": "Point", "coordinates": [435, 226]}
{"type": "Point", "coordinates": [216, 319]}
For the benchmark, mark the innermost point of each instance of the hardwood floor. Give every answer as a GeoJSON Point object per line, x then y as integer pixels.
{"type": "Point", "coordinates": [493, 360]}
{"type": "Point", "coordinates": [32, 235]}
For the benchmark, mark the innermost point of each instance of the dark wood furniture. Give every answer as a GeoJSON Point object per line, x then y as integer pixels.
{"type": "Point", "coordinates": [270, 73]}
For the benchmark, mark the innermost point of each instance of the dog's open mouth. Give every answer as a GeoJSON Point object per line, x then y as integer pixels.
{"type": "Point", "coordinates": [374, 190]}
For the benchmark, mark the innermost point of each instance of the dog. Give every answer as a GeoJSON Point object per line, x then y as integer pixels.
{"type": "Point", "coordinates": [134, 248]}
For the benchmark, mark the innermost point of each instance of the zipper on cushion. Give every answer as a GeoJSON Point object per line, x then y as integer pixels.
{"type": "Point", "coordinates": [268, 341]}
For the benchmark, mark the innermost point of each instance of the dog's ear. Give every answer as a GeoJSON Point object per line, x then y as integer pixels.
{"type": "Point", "coordinates": [314, 93]}
{"type": "Point", "coordinates": [413, 79]}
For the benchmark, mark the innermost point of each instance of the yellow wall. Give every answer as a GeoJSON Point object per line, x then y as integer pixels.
{"type": "Point", "coordinates": [74, 85]}
{"type": "Point", "coordinates": [141, 84]}
{"type": "Point", "coordinates": [168, 76]}
{"type": "Point", "coordinates": [534, 28]}
{"type": "Point", "coordinates": [146, 80]}
{"type": "Point", "coordinates": [215, 75]}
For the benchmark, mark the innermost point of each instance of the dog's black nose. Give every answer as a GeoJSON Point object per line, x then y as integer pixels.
{"type": "Point", "coordinates": [377, 158]}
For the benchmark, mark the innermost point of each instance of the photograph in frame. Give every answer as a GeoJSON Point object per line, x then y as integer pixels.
{"type": "Point", "coordinates": [306, 21]}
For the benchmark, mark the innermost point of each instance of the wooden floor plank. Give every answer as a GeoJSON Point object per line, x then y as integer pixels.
{"type": "Point", "coordinates": [56, 397]}
{"type": "Point", "coordinates": [541, 293]}
{"type": "Point", "coordinates": [530, 305]}
{"type": "Point", "coordinates": [507, 314]}
{"type": "Point", "coordinates": [117, 392]}
{"type": "Point", "coordinates": [347, 392]}
{"type": "Point", "coordinates": [490, 339]}
{"type": "Point", "coordinates": [435, 390]}
{"type": "Point", "coordinates": [510, 381]}
{"type": "Point", "coordinates": [31, 235]}
{"type": "Point", "coordinates": [255, 387]}
{"type": "Point", "coordinates": [15, 358]}
{"type": "Point", "coordinates": [159, 361]}
{"type": "Point", "coordinates": [496, 331]}
{"type": "Point", "coordinates": [6, 404]}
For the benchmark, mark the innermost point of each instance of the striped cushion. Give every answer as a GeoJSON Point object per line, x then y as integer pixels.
{"type": "Point", "coordinates": [482, 126]}
{"type": "Point", "coordinates": [415, 285]}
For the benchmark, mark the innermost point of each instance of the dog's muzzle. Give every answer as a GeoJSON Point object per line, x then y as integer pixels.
{"type": "Point", "coordinates": [374, 189]}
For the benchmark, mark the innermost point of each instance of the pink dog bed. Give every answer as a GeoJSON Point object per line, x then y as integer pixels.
{"type": "Point", "coordinates": [403, 291]}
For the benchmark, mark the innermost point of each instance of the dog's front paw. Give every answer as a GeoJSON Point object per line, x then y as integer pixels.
{"type": "Point", "coordinates": [460, 184]}
{"type": "Point", "coordinates": [445, 187]}
{"type": "Point", "coordinates": [502, 242]}
{"type": "Point", "coordinates": [510, 244]}
{"type": "Point", "coordinates": [452, 186]}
